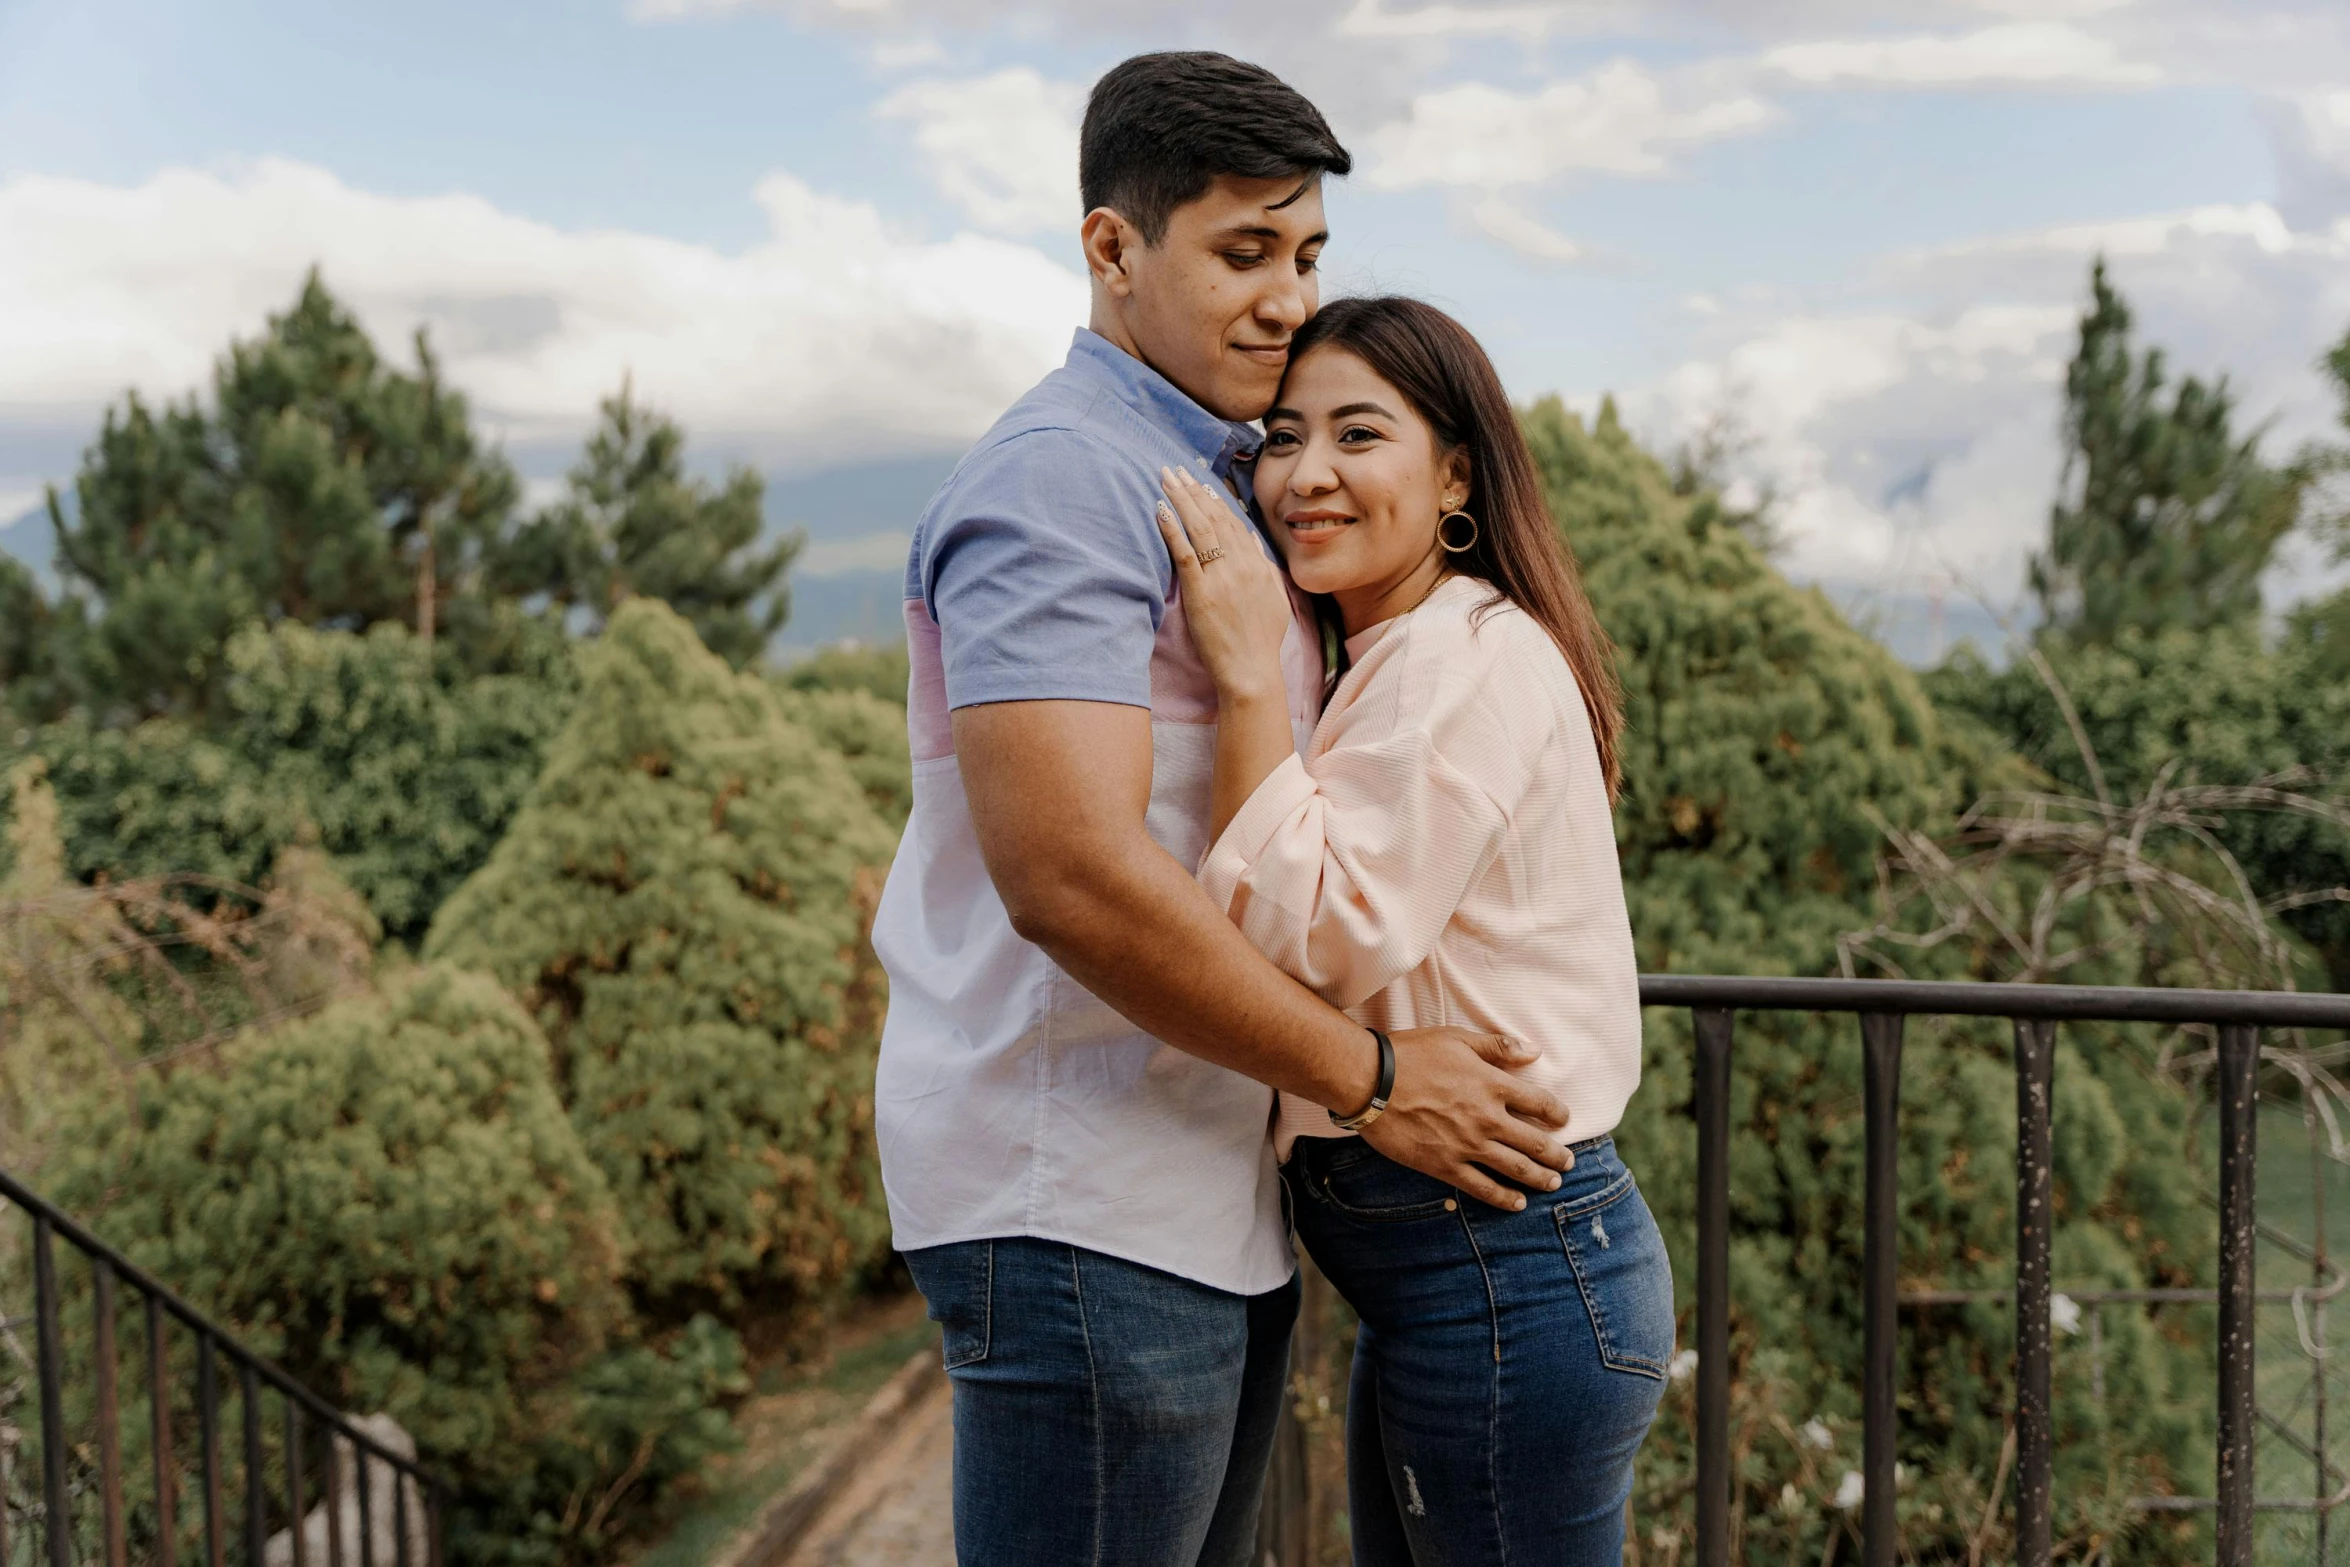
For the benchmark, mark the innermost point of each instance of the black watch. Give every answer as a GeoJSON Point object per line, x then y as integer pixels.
{"type": "Point", "coordinates": [1386, 1086]}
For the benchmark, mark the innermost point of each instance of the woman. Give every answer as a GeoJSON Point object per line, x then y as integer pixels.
{"type": "Point", "coordinates": [1443, 853]}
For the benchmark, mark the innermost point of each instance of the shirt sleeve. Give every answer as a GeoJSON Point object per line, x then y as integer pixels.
{"type": "Point", "coordinates": [1346, 869]}
{"type": "Point", "coordinates": [1046, 575]}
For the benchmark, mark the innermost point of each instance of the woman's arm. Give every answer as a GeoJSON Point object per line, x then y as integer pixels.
{"type": "Point", "coordinates": [1236, 604]}
{"type": "Point", "coordinates": [1346, 870]}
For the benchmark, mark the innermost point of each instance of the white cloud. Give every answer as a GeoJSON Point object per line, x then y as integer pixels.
{"type": "Point", "coordinates": [2040, 52]}
{"type": "Point", "coordinates": [1523, 232]}
{"type": "Point", "coordinates": [1917, 451]}
{"type": "Point", "coordinates": [831, 337]}
{"type": "Point", "coordinates": [2310, 133]}
{"type": "Point", "coordinates": [19, 498]}
{"type": "Point", "coordinates": [1618, 120]}
{"type": "Point", "coordinates": [1003, 148]}
{"type": "Point", "coordinates": [1372, 19]}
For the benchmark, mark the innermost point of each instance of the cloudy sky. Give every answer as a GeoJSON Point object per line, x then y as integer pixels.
{"type": "Point", "coordinates": [836, 236]}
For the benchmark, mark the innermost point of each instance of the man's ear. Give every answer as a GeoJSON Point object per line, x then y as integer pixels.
{"type": "Point", "coordinates": [1109, 242]}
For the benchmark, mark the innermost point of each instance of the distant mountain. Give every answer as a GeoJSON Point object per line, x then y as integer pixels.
{"type": "Point", "coordinates": [29, 539]}
{"type": "Point", "coordinates": [857, 499]}
{"type": "Point", "coordinates": [849, 584]}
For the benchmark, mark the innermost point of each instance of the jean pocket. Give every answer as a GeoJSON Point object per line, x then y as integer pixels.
{"type": "Point", "coordinates": [957, 1282]}
{"type": "Point", "coordinates": [1366, 1185]}
{"type": "Point", "coordinates": [1618, 1255]}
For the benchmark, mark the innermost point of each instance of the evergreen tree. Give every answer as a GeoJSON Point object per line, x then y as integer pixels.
{"type": "Point", "coordinates": [681, 903]}
{"type": "Point", "coordinates": [2167, 517]}
{"type": "Point", "coordinates": [385, 753]}
{"type": "Point", "coordinates": [322, 487]}
{"type": "Point", "coordinates": [30, 637]}
{"type": "Point", "coordinates": [635, 524]}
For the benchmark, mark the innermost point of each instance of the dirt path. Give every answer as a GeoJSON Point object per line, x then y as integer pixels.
{"type": "Point", "coordinates": [899, 1512]}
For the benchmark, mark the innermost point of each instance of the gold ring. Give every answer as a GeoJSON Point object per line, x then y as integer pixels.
{"type": "Point", "coordinates": [1208, 557]}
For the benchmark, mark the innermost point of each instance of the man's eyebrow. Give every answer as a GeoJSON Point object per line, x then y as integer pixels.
{"type": "Point", "coordinates": [1264, 231]}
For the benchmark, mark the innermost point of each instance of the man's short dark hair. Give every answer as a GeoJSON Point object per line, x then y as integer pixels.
{"type": "Point", "coordinates": [1160, 128]}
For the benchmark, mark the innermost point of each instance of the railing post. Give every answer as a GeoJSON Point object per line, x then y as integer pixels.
{"type": "Point", "coordinates": [256, 1469]}
{"type": "Point", "coordinates": [2239, 1083]}
{"type": "Point", "coordinates": [1712, 1095]}
{"type": "Point", "coordinates": [208, 1431]}
{"type": "Point", "coordinates": [2035, 1075]}
{"type": "Point", "coordinates": [1880, 1268]}
{"type": "Point", "coordinates": [109, 1411]}
{"type": "Point", "coordinates": [365, 1487]}
{"type": "Point", "coordinates": [296, 1502]}
{"type": "Point", "coordinates": [159, 1412]}
{"type": "Point", "coordinates": [57, 1522]}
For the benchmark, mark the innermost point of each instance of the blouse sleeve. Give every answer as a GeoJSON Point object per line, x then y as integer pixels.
{"type": "Point", "coordinates": [1345, 870]}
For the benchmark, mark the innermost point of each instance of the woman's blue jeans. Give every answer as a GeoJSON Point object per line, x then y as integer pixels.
{"type": "Point", "coordinates": [1508, 1364]}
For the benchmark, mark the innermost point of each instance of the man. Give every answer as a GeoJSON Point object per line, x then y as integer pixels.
{"type": "Point", "coordinates": [1077, 1070]}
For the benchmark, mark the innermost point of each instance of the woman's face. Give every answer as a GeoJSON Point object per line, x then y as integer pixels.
{"type": "Point", "coordinates": [1351, 483]}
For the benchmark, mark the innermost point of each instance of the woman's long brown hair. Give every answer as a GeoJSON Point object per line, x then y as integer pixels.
{"type": "Point", "coordinates": [1443, 371]}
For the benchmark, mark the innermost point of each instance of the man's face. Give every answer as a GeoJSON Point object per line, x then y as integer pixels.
{"type": "Point", "coordinates": [1212, 305]}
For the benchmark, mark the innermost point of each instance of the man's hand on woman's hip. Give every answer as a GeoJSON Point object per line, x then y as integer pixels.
{"type": "Point", "coordinates": [1457, 1113]}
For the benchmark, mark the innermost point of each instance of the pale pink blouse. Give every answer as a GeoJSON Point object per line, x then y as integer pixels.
{"type": "Point", "coordinates": [1444, 853]}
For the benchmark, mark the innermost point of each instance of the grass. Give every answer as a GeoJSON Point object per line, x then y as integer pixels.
{"type": "Point", "coordinates": [799, 1407]}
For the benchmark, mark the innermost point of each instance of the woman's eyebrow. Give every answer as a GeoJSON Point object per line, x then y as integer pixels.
{"type": "Point", "coordinates": [1272, 414]}
{"type": "Point", "coordinates": [1351, 409]}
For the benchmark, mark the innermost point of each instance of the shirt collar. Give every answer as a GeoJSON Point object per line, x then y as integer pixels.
{"type": "Point", "coordinates": [1221, 442]}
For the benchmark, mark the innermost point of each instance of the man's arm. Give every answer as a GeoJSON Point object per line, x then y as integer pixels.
{"type": "Point", "coordinates": [1058, 791]}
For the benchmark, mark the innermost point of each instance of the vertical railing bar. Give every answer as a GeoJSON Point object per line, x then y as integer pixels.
{"type": "Point", "coordinates": [159, 1414]}
{"type": "Point", "coordinates": [2318, 1269]}
{"type": "Point", "coordinates": [57, 1526]}
{"type": "Point", "coordinates": [2239, 1082]}
{"type": "Point", "coordinates": [334, 1499]}
{"type": "Point", "coordinates": [2035, 1075]}
{"type": "Point", "coordinates": [1880, 1268]}
{"type": "Point", "coordinates": [256, 1471]}
{"type": "Point", "coordinates": [436, 1541]}
{"type": "Point", "coordinates": [208, 1431]}
{"type": "Point", "coordinates": [109, 1411]}
{"type": "Point", "coordinates": [359, 1479]}
{"type": "Point", "coordinates": [399, 1515]}
{"type": "Point", "coordinates": [294, 1499]}
{"type": "Point", "coordinates": [1713, 1026]}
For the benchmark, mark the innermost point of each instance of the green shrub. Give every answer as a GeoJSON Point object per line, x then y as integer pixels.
{"type": "Point", "coordinates": [682, 904]}
{"type": "Point", "coordinates": [879, 672]}
{"type": "Point", "coordinates": [870, 736]}
{"type": "Point", "coordinates": [2221, 706]}
{"type": "Point", "coordinates": [387, 1198]}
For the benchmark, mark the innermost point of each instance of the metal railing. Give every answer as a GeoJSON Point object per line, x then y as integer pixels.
{"type": "Point", "coordinates": [1883, 1008]}
{"type": "Point", "coordinates": [309, 1424]}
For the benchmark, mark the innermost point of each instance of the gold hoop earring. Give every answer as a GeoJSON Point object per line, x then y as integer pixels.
{"type": "Point", "coordinates": [1466, 544]}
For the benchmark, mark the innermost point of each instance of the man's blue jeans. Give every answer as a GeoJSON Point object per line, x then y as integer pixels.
{"type": "Point", "coordinates": [1508, 1364]}
{"type": "Point", "coordinates": [1106, 1414]}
